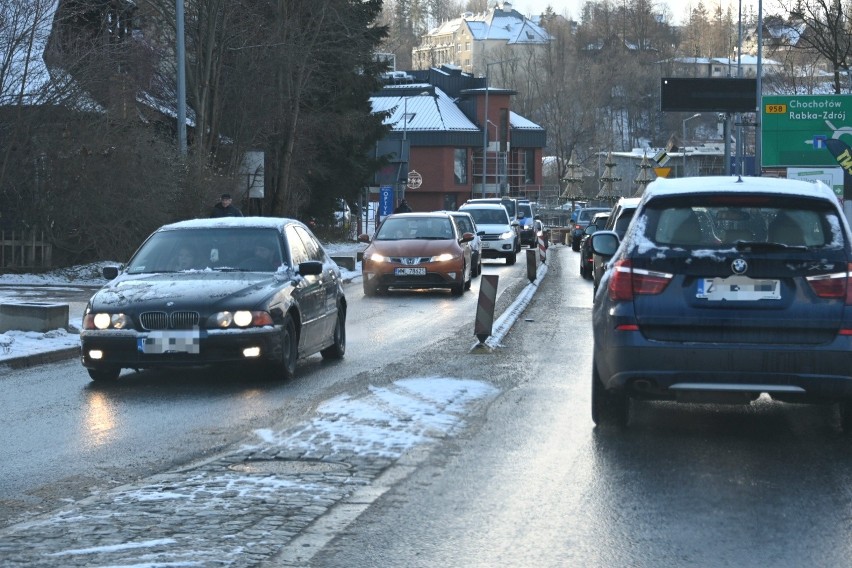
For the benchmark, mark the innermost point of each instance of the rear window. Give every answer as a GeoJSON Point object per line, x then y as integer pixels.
{"type": "Point", "coordinates": [721, 222]}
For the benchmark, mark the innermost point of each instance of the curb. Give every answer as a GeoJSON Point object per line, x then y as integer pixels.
{"type": "Point", "coordinates": [41, 358]}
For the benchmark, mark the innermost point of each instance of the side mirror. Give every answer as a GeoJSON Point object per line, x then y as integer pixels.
{"type": "Point", "coordinates": [467, 237]}
{"type": "Point", "coordinates": [310, 268]}
{"type": "Point", "coordinates": [110, 272]}
{"type": "Point", "coordinates": [604, 243]}
{"type": "Point", "coordinates": [364, 238]}
{"type": "Point", "coordinates": [591, 229]}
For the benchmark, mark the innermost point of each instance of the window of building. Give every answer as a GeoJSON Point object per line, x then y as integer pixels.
{"type": "Point", "coordinates": [458, 47]}
{"type": "Point", "coordinates": [450, 202]}
{"type": "Point", "coordinates": [467, 46]}
{"type": "Point", "coordinates": [460, 165]}
{"type": "Point", "coordinates": [529, 166]}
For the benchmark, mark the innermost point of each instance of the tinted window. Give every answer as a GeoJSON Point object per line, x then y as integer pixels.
{"type": "Point", "coordinates": [723, 222]}
{"type": "Point", "coordinates": [211, 248]}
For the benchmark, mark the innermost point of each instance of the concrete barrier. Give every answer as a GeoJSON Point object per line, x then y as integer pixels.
{"type": "Point", "coordinates": [344, 261]}
{"type": "Point", "coordinates": [33, 316]}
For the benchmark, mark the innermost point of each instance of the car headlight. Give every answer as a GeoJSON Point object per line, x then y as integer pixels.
{"type": "Point", "coordinates": [375, 257]}
{"type": "Point", "coordinates": [240, 318]}
{"type": "Point", "coordinates": [527, 227]}
{"type": "Point", "coordinates": [102, 320]}
{"type": "Point", "coordinates": [507, 235]}
{"type": "Point", "coordinates": [443, 257]}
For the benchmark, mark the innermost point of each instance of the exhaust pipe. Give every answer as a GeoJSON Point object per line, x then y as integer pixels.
{"type": "Point", "coordinates": [643, 385]}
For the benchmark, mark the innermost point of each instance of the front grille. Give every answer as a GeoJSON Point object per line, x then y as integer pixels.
{"type": "Point", "coordinates": [491, 238]}
{"type": "Point", "coordinates": [175, 320]}
{"type": "Point", "coordinates": [410, 260]}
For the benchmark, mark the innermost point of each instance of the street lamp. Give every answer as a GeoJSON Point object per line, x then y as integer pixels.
{"type": "Point", "coordinates": [485, 155]}
{"type": "Point", "coordinates": [485, 118]}
{"type": "Point", "coordinates": [683, 142]}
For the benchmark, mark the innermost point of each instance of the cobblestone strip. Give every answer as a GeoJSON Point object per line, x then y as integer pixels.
{"type": "Point", "coordinates": [244, 507]}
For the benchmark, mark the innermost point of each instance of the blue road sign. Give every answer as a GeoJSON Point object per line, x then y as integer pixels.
{"type": "Point", "coordinates": [385, 200]}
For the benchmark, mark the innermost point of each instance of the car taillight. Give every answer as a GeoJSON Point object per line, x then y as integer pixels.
{"type": "Point", "coordinates": [627, 281]}
{"type": "Point", "coordinates": [834, 285]}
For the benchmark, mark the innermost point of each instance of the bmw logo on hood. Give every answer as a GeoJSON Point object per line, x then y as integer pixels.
{"type": "Point", "coordinates": [739, 266]}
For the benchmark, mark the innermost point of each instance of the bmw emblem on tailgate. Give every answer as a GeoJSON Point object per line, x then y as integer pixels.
{"type": "Point", "coordinates": [739, 266]}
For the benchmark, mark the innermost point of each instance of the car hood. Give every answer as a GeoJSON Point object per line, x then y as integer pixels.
{"type": "Point", "coordinates": [412, 247]}
{"type": "Point", "coordinates": [494, 229]}
{"type": "Point", "coordinates": [189, 290]}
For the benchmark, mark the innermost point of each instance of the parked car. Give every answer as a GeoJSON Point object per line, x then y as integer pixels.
{"type": "Point", "coordinates": [618, 221]}
{"type": "Point", "coordinates": [599, 221]}
{"type": "Point", "coordinates": [582, 218]}
{"type": "Point", "coordinates": [500, 239]}
{"type": "Point", "coordinates": [686, 316]}
{"type": "Point", "coordinates": [248, 290]}
{"type": "Point", "coordinates": [417, 250]}
{"type": "Point", "coordinates": [512, 208]}
{"type": "Point", "coordinates": [466, 224]}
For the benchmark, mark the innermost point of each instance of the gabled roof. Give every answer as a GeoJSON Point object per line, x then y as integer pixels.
{"type": "Point", "coordinates": [498, 23]}
{"type": "Point", "coordinates": [420, 107]}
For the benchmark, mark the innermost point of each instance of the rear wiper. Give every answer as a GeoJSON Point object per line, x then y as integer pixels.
{"type": "Point", "coordinates": [764, 246]}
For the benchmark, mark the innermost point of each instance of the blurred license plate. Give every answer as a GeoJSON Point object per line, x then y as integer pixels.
{"type": "Point", "coordinates": [738, 288]}
{"type": "Point", "coordinates": [410, 272]}
{"type": "Point", "coordinates": [177, 341]}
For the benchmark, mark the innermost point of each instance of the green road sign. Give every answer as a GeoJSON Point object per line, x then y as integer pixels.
{"type": "Point", "coordinates": [795, 127]}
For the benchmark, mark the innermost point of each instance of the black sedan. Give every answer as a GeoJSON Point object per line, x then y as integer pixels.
{"type": "Point", "coordinates": [689, 312]}
{"type": "Point", "coordinates": [249, 291]}
{"type": "Point", "coordinates": [599, 221]}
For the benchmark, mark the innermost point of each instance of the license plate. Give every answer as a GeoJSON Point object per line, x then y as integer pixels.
{"type": "Point", "coordinates": [173, 341]}
{"type": "Point", "coordinates": [738, 289]}
{"type": "Point", "coordinates": [410, 272]}
{"type": "Point", "coordinates": [486, 245]}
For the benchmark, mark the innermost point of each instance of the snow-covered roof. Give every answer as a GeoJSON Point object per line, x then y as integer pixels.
{"type": "Point", "coordinates": [501, 22]}
{"type": "Point", "coordinates": [521, 123]}
{"type": "Point", "coordinates": [730, 184]}
{"type": "Point", "coordinates": [422, 112]}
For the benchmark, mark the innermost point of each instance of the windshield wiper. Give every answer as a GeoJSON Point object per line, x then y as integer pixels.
{"type": "Point", "coordinates": [764, 246]}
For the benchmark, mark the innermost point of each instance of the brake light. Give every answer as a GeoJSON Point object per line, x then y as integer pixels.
{"type": "Point", "coordinates": [627, 281]}
{"type": "Point", "coordinates": [834, 285]}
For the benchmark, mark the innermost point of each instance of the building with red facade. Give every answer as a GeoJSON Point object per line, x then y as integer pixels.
{"type": "Point", "coordinates": [462, 139]}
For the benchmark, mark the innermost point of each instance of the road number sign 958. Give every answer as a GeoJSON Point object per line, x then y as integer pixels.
{"type": "Point", "coordinates": [776, 109]}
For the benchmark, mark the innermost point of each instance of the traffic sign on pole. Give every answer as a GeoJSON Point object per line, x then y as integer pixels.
{"type": "Point", "coordinates": [795, 128]}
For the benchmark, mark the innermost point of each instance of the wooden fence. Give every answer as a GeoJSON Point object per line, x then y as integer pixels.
{"type": "Point", "coordinates": [24, 249]}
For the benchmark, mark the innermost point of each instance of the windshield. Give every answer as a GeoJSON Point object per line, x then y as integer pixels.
{"type": "Point", "coordinates": [404, 228]}
{"type": "Point", "coordinates": [182, 250]}
{"type": "Point", "coordinates": [525, 210]}
{"type": "Point", "coordinates": [489, 216]}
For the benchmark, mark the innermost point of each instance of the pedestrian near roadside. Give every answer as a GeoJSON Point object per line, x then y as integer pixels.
{"type": "Point", "coordinates": [402, 207]}
{"type": "Point", "coordinates": [225, 207]}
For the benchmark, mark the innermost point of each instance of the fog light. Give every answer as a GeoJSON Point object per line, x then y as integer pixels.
{"type": "Point", "coordinates": [96, 354]}
{"type": "Point", "coordinates": [251, 352]}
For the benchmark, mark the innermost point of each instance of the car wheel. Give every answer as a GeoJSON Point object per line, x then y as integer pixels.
{"type": "Point", "coordinates": [608, 408]}
{"type": "Point", "coordinates": [285, 367]}
{"type": "Point", "coordinates": [104, 375]}
{"type": "Point", "coordinates": [369, 289]}
{"type": "Point", "coordinates": [478, 267]}
{"type": "Point", "coordinates": [337, 349]}
{"type": "Point", "coordinates": [457, 289]}
{"type": "Point", "coordinates": [510, 259]}
{"type": "Point", "coordinates": [575, 245]}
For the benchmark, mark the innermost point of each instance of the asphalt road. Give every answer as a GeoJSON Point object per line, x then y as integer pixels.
{"type": "Point", "coordinates": [526, 480]}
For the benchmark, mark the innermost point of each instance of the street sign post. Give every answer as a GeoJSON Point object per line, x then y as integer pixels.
{"type": "Point", "coordinates": [794, 129]}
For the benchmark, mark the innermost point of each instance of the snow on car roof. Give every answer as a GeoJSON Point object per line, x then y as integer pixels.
{"type": "Point", "coordinates": [232, 222]}
{"type": "Point", "coordinates": [663, 186]}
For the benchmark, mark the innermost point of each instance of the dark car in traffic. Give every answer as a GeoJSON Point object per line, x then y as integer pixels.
{"type": "Point", "coordinates": [255, 292]}
{"type": "Point", "coordinates": [688, 312]}
{"type": "Point", "coordinates": [581, 220]}
{"type": "Point", "coordinates": [599, 221]}
{"type": "Point", "coordinates": [618, 221]}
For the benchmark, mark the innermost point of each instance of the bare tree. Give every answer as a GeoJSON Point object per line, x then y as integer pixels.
{"type": "Point", "coordinates": [828, 32]}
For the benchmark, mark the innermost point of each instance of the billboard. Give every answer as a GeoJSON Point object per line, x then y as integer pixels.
{"type": "Point", "coordinates": [796, 127]}
{"type": "Point", "coordinates": [708, 95]}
